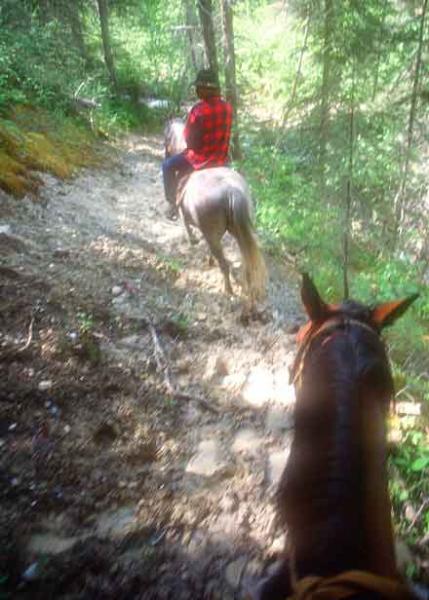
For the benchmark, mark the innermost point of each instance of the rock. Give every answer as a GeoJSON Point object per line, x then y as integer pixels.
{"type": "Point", "coordinates": [183, 366]}
{"type": "Point", "coordinates": [229, 503]}
{"type": "Point", "coordinates": [278, 419]}
{"type": "Point", "coordinates": [234, 571]}
{"type": "Point", "coordinates": [234, 382]}
{"type": "Point", "coordinates": [5, 229]}
{"type": "Point", "coordinates": [61, 253]}
{"type": "Point", "coordinates": [284, 392]}
{"type": "Point", "coordinates": [404, 558]}
{"type": "Point", "coordinates": [132, 342]}
{"type": "Point", "coordinates": [116, 290]}
{"type": "Point", "coordinates": [45, 385]}
{"type": "Point", "coordinates": [259, 387]}
{"type": "Point", "coordinates": [116, 522]}
{"type": "Point", "coordinates": [10, 244]}
{"type": "Point", "coordinates": [216, 367]}
{"type": "Point", "coordinates": [278, 544]}
{"type": "Point", "coordinates": [247, 441]}
{"type": "Point", "coordinates": [191, 414]}
{"type": "Point", "coordinates": [208, 459]}
{"type": "Point", "coordinates": [221, 366]}
{"type": "Point", "coordinates": [50, 543]}
{"type": "Point", "coordinates": [32, 572]}
{"type": "Point", "coordinates": [276, 464]}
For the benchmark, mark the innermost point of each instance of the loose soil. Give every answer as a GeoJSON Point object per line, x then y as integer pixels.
{"type": "Point", "coordinates": [145, 417]}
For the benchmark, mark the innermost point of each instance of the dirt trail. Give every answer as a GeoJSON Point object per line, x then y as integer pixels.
{"type": "Point", "coordinates": [113, 487]}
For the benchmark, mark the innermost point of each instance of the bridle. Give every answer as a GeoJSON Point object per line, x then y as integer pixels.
{"type": "Point", "coordinates": [327, 328]}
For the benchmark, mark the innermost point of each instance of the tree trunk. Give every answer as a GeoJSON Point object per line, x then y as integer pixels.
{"type": "Point", "coordinates": [325, 92]}
{"type": "Point", "coordinates": [289, 106]}
{"type": "Point", "coordinates": [349, 190]}
{"type": "Point", "coordinates": [379, 45]}
{"type": "Point", "coordinates": [107, 47]}
{"type": "Point", "coordinates": [74, 20]}
{"type": "Point", "coordinates": [231, 92]}
{"type": "Point", "coordinates": [44, 11]}
{"type": "Point", "coordinates": [191, 27]}
{"type": "Point", "coordinates": [400, 196]}
{"type": "Point", "coordinates": [205, 10]}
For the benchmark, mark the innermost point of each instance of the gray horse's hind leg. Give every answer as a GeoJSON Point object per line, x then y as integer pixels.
{"type": "Point", "coordinates": [191, 236]}
{"type": "Point", "coordinates": [216, 250]}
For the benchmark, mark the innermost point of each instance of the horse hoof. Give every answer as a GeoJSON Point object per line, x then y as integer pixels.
{"type": "Point", "coordinates": [171, 214]}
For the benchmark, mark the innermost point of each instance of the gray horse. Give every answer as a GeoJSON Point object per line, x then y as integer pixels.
{"type": "Point", "coordinates": [217, 200]}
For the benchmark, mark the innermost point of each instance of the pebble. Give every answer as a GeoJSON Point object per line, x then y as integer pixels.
{"type": "Point", "coordinates": [116, 290]}
{"type": "Point", "coordinates": [32, 572]}
{"type": "Point", "coordinates": [207, 461]}
{"type": "Point", "coordinates": [276, 464]}
{"type": "Point", "coordinates": [45, 385]}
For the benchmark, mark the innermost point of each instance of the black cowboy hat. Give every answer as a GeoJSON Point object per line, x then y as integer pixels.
{"type": "Point", "coordinates": [207, 78]}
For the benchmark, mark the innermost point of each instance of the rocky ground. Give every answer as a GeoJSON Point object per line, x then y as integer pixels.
{"type": "Point", "coordinates": [144, 421]}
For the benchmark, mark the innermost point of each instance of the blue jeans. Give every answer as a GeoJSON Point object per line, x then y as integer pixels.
{"type": "Point", "coordinates": [173, 169]}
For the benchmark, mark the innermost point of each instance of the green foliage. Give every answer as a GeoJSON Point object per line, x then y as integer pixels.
{"type": "Point", "coordinates": [411, 459]}
{"type": "Point", "coordinates": [38, 64]}
{"type": "Point", "coordinates": [42, 62]}
{"type": "Point", "coordinates": [85, 322]}
{"type": "Point", "coordinates": [181, 323]}
{"type": "Point", "coordinates": [300, 196]}
{"type": "Point", "coordinates": [169, 265]}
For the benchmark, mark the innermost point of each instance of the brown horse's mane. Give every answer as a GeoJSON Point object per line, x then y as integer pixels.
{"type": "Point", "coordinates": [341, 365]}
{"type": "Point", "coordinates": [333, 497]}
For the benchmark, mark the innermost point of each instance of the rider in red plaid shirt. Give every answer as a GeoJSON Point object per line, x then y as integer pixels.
{"type": "Point", "coordinates": [207, 134]}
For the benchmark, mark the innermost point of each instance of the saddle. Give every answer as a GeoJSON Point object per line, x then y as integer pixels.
{"type": "Point", "coordinates": [348, 585]}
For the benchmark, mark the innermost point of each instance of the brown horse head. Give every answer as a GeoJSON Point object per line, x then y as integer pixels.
{"type": "Point", "coordinates": [333, 496]}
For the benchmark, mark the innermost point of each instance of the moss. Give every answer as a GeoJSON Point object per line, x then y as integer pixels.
{"type": "Point", "coordinates": [34, 140]}
{"type": "Point", "coordinates": [41, 154]}
{"type": "Point", "coordinates": [14, 177]}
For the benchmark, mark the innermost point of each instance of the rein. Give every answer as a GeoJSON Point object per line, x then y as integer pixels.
{"type": "Point", "coordinates": [348, 585]}
{"type": "Point", "coordinates": [328, 327]}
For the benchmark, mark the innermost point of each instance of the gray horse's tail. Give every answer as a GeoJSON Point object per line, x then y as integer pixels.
{"type": "Point", "coordinates": [240, 226]}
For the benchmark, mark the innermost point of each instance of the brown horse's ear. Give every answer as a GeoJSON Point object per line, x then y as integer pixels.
{"type": "Point", "coordinates": [386, 314]}
{"type": "Point", "coordinates": [315, 307]}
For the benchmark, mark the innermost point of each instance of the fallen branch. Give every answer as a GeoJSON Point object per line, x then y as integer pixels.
{"type": "Point", "coordinates": [417, 515]}
{"type": "Point", "coordinates": [163, 367]}
{"type": "Point", "coordinates": [12, 352]}
{"type": "Point", "coordinates": [29, 337]}
{"type": "Point", "coordinates": [161, 360]}
{"type": "Point", "coordinates": [204, 403]}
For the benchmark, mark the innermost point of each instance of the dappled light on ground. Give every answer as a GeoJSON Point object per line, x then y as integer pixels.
{"type": "Point", "coordinates": [145, 426]}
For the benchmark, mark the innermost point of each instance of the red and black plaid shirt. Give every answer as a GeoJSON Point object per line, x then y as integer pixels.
{"type": "Point", "coordinates": [207, 133]}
